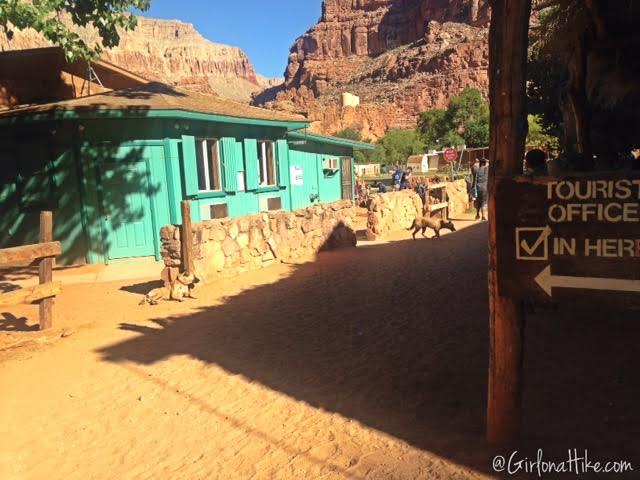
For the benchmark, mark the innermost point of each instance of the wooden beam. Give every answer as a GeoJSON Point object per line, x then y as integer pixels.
{"type": "Point", "coordinates": [27, 253]}
{"type": "Point", "coordinates": [30, 294]}
{"type": "Point", "coordinates": [186, 238]}
{"type": "Point", "coordinates": [46, 270]}
{"type": "Point", "coordinates": [508, 43]}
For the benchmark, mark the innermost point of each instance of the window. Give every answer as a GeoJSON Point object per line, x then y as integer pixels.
{"type": "Point", "coordinates": [208, 159]}
{"type": "Point", "coordinates": [267, 167]}
{"type": "Point", "coordinates": [330, 164]}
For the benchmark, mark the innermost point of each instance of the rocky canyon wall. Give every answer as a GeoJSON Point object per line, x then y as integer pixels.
{"type": "Point", "coordinates": [172, 52]}
{"type": "Point", "coordinates": [400, 56]}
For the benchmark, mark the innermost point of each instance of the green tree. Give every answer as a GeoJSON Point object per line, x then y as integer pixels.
{"type": "Point", "coordinates": [397, 145]}
{"type": "Point", "coordinates": [451, 139]}
{"type": "Point", "coordinates": [464, 122]}
{"type": "Point", "coordinates": [433, 125]}
{"type": "Point", "coordinates": [44, 16]}
{"type": "Point", "coordinates": [349, 133]}
{"type": "Point", "coordinates": [538, 136]}
{"type": "Point", "coordinates": [360, 156]}
{"type": "Point", "coordinates": [467, 108]}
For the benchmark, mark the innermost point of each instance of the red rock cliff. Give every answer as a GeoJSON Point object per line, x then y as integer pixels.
{"type": "Point", "coordinates": [172, 52]}
{"type": "Point", "coordinates": [400, 57]}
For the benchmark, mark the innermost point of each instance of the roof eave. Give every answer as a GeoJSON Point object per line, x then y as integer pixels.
{"type": "Point", "coordinates": [84, 114]}
{"type": "Point", "coordinates": [333, 141]}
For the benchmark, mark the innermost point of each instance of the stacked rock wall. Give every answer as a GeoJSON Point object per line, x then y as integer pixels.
{"type": "Point", "coordinates": [393, 211]}
{"type": "Point", "coordinates": [390, 212]}
{"type": "Point", "coordinates": [224, 248]}
{"type": "Point", "coordinates": [458, 197]}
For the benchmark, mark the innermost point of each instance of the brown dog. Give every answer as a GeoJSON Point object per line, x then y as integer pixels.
{"type": "Point", "coordinates": [436, 224]}
{"type": "Point", "coordinates": [180, 289]}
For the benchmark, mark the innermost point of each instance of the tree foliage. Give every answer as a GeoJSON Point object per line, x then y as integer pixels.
{"type": "Point", "coordinates": [433, 126]}
{"type": "Point", "coordinates": [396, 146]}
{"type": "Point", "coordinates": [539, 138]}
{"type": "Point", "coordinates": [546, 79]}
{"type": "Point", "coordinates": [349, 133]}
{"type": "Point", "coordinates": [464, 122]}
{"type": "Point", "coordinates": [583, 71]}
{"type": "Point", "coordinates": [362, 156]}
{"type": "Point", "coordinates": [44, 16]}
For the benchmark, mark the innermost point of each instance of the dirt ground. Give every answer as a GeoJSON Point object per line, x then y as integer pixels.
{"type": "Point", "coordinates": [370, 363]}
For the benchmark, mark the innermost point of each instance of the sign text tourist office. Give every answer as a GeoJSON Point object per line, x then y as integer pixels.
{"type": "Point", "coordinates": [574, 239]}
{"type": "Point", "coordinates": [114, 167]}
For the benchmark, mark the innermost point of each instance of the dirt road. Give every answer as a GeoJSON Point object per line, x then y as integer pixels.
{"type": "Point", "coordinates": [368, 363]}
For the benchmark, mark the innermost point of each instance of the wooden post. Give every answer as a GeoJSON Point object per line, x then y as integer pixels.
{"type": "Point", "coordinates": [186, 238]}
{"type": "Point", "coordinates": [508, 43]}
{"type": "Point", "coordinates": [46, 270]}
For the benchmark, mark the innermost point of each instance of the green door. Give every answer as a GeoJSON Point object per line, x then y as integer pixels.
{"type": "Point", "coordinates": [303, 179]}
{"type": "Point", "coordinates": [126, 203]}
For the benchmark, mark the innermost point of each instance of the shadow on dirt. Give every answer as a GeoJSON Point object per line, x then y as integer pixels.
{"type": "Point", "coordinates": [395, 336]}
{"type": "Point", "coordinates": [11, 323]}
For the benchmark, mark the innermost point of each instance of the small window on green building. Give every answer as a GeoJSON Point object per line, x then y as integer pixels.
{"type": "Point", "coordinates": [208, 163]}
{"type": "Point", "coordinates": [267, 163]}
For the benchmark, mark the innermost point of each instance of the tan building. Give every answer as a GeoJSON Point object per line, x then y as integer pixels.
{"type": "Point", "coordinates": [424, 163]}
{"type": "Point", "coordinates": [350, 100]}
{"type": "Point", "coordinates": [368, 170]}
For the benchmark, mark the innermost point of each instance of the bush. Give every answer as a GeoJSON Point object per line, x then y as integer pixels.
{"type": "Point", "coordinates": [349, 134]}
{"type": "Point", "coordinates": [397, 145]}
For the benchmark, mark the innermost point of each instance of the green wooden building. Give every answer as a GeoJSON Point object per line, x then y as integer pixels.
{"type": "Point", "coordinates": [114, 167]}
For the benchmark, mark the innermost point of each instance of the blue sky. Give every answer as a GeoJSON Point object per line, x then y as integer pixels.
{"type": "Point", "coordinates": [264, 29]}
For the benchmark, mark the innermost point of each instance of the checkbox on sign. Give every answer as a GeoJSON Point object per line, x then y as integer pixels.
{"type": "Point", "coordinates": [532, 243]}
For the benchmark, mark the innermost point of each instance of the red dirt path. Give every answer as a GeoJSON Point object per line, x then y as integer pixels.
{"type": "Point", "coordinates": [368, 363]}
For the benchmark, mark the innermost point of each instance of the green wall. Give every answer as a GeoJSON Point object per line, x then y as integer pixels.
{"type": "Point", "coordinates": [39, 173]}
{"type": "Point", "coordinates": [58, 165]}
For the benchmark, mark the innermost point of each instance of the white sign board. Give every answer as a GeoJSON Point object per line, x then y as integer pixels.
{"type": "Point", "coordinates": [296, 176]}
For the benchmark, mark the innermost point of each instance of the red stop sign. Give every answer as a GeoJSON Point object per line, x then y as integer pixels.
{"type": "Point", "coordinates": [450, 155]}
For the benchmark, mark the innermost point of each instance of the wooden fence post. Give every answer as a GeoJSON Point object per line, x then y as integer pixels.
{"type": "Point", "coordinates": [508, 43]}
{"type": "Point", "coordinates": [186, 238]}
{"type": "Point", "coordinates": [46, 270]}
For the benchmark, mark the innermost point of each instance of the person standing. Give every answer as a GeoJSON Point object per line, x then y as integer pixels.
{"type": "Point", "coordinates": [472, 188]}
{"type": "Point", "coordinates": [405, 180]}
{"type": "Point", "coordinates": [396, 177]}
{"type": "Point", "coordinates": [536, 162]}
{"type": "Point", "coordinates": [481, 182]}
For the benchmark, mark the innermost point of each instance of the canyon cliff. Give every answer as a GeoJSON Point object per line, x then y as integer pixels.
{"type": "Point", "coordinates": [401, 57]}
{"type": "Point", "coordinates": [172, 52]}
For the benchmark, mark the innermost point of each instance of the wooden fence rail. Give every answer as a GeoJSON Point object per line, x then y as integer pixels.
{"type": "Point", "coordinates": [29, 252]}
{"type": "Point", "coordinates": [45, 251]}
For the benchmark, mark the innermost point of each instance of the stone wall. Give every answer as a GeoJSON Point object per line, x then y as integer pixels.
{"type": "Point", "coordinates": [458, 197]}
{"type": "Point", "coordinates": [224, 248]}
{"type": "Point", "coordinates": [390, 212]}
{"type": "Point", "coordinates": [393, 211]}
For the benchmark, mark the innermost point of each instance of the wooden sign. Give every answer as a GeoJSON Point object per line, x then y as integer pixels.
{"type": "Point", "coordinates": [450, 155]}
{"type": "Point", "coordinates": [574, 239]}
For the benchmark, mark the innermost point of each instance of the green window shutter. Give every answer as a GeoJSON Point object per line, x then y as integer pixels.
{"type": "Point", "coordinates": [189, 165]}
{"type": "Point", "coordinates": [251, 163]}
{"type": "Point", "coordinates": [282, 153]}
{"type": "Point", "coordinates": [231, 163]}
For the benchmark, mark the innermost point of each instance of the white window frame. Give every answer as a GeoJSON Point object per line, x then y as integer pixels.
{"type": "Point", "coordinates": [203, 142]}
{"type": "Point", "coordinates": [262, 162]}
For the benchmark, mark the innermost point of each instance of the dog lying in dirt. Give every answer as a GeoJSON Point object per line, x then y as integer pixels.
{"type": "Point", "coordinates": [180, 289]}
{"type": "Point", "coordinates": [435, 224]}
